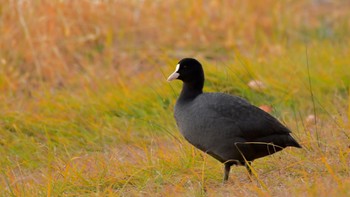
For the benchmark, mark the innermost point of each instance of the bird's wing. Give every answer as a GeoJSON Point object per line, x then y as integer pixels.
{"type": "Point", "coordinates": [253, 122]}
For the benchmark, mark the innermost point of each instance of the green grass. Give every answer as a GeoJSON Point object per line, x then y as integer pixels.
{"type": "Point", "coordinates": [86, 109]}
{"type": "Point", "coordinates": [121, 139]}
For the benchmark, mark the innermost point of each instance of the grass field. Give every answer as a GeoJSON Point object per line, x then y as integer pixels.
{"type": "Point", "coordinates": [85, 109]}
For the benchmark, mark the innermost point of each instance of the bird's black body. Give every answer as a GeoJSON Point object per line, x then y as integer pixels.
{"type": "Point", "coordinates": [226, 127]}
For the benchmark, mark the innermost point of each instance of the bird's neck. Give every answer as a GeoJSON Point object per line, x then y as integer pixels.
{"type": "Point", "coordinates": [191, 90]}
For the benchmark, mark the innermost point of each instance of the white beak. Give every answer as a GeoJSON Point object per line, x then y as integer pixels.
{"type": "Point", "coordinates": [175, 74]}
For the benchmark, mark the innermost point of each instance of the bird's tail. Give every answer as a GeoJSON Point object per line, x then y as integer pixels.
{"type": "Point", "coordinates": [293, 142]}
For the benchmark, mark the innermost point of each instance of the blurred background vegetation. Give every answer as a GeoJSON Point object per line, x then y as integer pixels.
{"type": "Point", "coordinates": [85, 108]}
{"type": "Point", "coordinates": [55, 41]}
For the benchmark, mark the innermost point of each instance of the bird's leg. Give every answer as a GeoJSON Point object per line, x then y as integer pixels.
{"type": "Point", "coordinates": [248, 165]}
{"type": "Point", "coordinates": [226, 171]}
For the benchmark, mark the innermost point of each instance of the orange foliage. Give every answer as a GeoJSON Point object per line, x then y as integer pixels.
{"type": "Point", "coordinates": [54, 40]}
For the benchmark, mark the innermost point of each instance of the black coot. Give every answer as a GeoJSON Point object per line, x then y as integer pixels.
{"type": "Point", "coordinates": [226, 127]}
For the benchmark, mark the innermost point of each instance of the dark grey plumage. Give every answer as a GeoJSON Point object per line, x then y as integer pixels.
{"type": "Point", "coordinates": [226, 127]}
